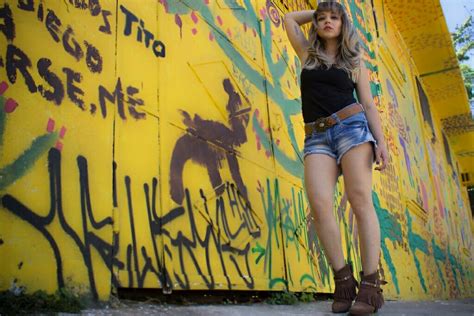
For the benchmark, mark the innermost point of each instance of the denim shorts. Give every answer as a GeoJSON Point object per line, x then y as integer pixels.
{"type": "Point", "coordinates": [339, 138]}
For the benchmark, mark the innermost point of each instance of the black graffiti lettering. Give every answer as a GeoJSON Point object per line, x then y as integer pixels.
{"type": "Point", "coordinates": [52, 24]}
{"type": "Point", "coordinates": [94, 7]}
{"type": "Point", "coordinates": [8, 26]}
{"type": "Point", "coordinates": [140, 32]}
{"type": "Point", "coordinates": [72, 90]}
{"type": "Point", "coordinates": [131, 91]}
{"type": "Point", "coordinates": [136, 115]}
{"type": "Point", "coordinates": [93, 58]}
{"type": "Point", "coordinates": [106, 27]}
{"type": "Point", "coordinates": [116, 97]}
{"type": "Point", "coordinates": [27, 5]}
{"type": "Point", "coordinates": [40, 223]}
{"type": "Point", "coordinates": [18, 60]}
{"type": "Point", "coordinates": [40, 13]}
{"type": "Point", "coordinates": [243, 210]}
{"type": "Point", "coordinates": [133, 247]}
{"type": "Point", "coordinates": [71, 45]}
{"type": "Point", "coordinates": [130, 18]}
{"type": "Point", "coordinates": [159, 49]}
{"type": "Point", "coordinates": [148, 37]}
{"type": "Point", "coordinates": [57, 94]}
{"type": "Point", "coordinates": [209, 237]}
{"type": "Point", "coordinates": [155, 224]}
{"type": "Point", "coordinates": [80, 4]}
{"type": "Point", "coordinates": [214, 238]}
{"type": "Point", "coordinates": [89, 242]}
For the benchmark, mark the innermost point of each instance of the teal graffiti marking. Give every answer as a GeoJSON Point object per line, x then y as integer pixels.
{"type": "Point", "coordinates": [260, 250]}
{"type": "Point", "coordinates": [438, 256]}
{"type": "Point", "coordinates": [389, 229]}
{"type": "Point", "coordinates": [416, 242]}
{"type": "Point", "coordinates": [270, 208]}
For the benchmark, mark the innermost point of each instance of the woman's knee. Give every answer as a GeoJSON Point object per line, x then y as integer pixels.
{"type": "Point", "coordinates": [361, 203]}
{"type": "Point", "coordinates": [322, 209]}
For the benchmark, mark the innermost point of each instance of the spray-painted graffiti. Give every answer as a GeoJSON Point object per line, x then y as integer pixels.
{"type": "Point", "coordinates": [214, 134]}
{"type": "Point", "coordinates": [203, 187]}
{"type": "Point", "coordinates": [142, 33]}
{"type": "Point", "coordinates": [63, 86]}
{"type": "Point", "coordinates": [85, 239]}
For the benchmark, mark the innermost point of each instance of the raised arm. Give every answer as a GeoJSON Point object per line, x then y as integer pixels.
{"type": "Point", "coordinates": [298, 40]}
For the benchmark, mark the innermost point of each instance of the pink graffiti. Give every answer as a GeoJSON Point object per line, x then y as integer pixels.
{"type": "Point", "coordinates": [194, 17]}
{"type": "Point", "coordinates": [59, 145]}
{"type": "Point", "coordinates": [10, 105]}
{"type": "Point", "coordinates": [179, 22]}
{"type": "Point", "coordinates": [50, 125]}
{"type": "Point", "coordinates": [62, 132]}
{"type": "Point", "coordinates": [165, 4]}
{"type": "Point", "coordinates": [3, 87]}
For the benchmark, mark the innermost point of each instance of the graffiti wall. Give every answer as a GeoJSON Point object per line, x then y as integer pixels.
{"type": "Point", "coordinates": [158, 144]}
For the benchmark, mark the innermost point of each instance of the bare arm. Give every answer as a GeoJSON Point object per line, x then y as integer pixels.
{"type": "Point", "coordinates": [365, 98]}
{"type": "Point", "coordinates": [298, 40]}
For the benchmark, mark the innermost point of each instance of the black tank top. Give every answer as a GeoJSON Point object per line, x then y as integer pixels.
{"type": "Point", "coordinates": [325, 91]}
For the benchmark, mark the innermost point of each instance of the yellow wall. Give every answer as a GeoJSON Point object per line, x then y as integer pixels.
{"type": "Point", "coordinates": [158, 144]}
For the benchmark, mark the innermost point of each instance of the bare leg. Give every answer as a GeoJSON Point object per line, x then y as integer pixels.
{"type": "Point", "coordinates": [357, 172]}
{"type": "Point", "coordinates": [320, 174]}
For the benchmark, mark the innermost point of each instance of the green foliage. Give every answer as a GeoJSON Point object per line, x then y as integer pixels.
{"type": "Point", "coordinates": [289, 298]}
{"type": "Point", "coordinates": [282, 298]}
{"type": "Point", "coordinates": [306, 297]}
{"type": "Point", "coordinates": [463, 40]}
{"type": "Point", "coordinates": [39, 302]}
{"type": "Point", "coordinates": [468, 76]}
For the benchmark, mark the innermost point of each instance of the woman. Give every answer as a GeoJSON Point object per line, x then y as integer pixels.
{"type": "Point", "coordinates": [343, 136]}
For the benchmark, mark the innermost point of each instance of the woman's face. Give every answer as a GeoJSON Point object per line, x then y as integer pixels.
{"type": "Point", "coordinates": [328, 25]}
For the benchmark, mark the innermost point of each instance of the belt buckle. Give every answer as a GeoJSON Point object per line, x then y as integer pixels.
{"type": "Point", "coordinates": [321, 124]}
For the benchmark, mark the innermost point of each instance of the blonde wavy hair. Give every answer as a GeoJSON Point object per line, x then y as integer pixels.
{"type": "Point", "coordinates": [348, 55]}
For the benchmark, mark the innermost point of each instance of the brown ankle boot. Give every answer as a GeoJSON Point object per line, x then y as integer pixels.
{"type": "Point", "coordinates": [345, 290]}
{"type": "Point", "coordinates": [370, 298]}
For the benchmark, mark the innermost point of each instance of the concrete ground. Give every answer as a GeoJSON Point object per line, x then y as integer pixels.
{"type": "Point", "coordinates": [437, 307]}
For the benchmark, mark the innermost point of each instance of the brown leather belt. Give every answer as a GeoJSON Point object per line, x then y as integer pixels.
{"type": "Point", "coordinates": [323, 123]}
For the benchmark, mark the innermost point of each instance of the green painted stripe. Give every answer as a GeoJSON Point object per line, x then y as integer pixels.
{"type": "Point", "coordinates": [27, 159]}
{"type": "Point", "coordinates": [275, 281]}
{"type": "Point", "coordinates": [307, 277]}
